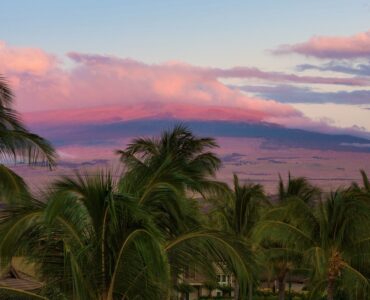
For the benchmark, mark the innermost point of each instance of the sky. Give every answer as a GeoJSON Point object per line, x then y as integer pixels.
{"type": "Point", "coordinates": [299, 64]}
{"type": "Point", "coordinates": [206, 33]}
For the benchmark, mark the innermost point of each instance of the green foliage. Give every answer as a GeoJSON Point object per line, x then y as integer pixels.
{"type": "Point", "coordinates": [88, 241]}
{"type": "Point", "coordinates": [332, 238]}
{"type": "Point", "coordinates": [281, 260]}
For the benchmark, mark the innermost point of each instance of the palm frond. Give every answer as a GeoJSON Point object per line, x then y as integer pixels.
{"type": "Point", "coordinates": [6, 94]}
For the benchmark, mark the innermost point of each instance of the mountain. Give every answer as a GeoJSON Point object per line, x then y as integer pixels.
{"type": "Point", "coordinates": [274, 136]}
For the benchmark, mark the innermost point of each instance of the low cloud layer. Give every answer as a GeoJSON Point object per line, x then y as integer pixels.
{"type": "Point", "coordinates": [333, 47]}
{"type": "Point", "coordinates": [294, 94]}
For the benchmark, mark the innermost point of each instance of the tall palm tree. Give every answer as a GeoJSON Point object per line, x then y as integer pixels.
{"type": "Point", "coordinates": [18, 145]}
{"type": "Point", "coordinates": [238, 212]}
{"type": "Point", "coordinates": [281, 260]}
{"type": "Point", "coordinates": [333, 238]}
{"type": "Point", "coordinates": [166, 175]}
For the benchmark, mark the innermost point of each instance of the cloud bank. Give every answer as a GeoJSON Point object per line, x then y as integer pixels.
{"type": "Point", "coordinates": [294, 94]}
{"type": "Point", "coordinates": [95, 89]}
{"type": "Point", "coordinates": [102, 88]}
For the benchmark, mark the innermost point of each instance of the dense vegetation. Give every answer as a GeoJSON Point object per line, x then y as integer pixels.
{"type": "Point", "coordinates": [95, 236]}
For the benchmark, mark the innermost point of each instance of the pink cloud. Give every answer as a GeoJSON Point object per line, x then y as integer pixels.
{"type": "Point", "coordinates": [152, 110]}
{"type": "Point", "coordinates": [25, 60]}
{"type": "Point", "coordinates": [100, 88]}
{"type": "Point", "coordinates": [100, 80]}
{"type": "Point", "coordinates": [126, 88]}
{"type": "Point", "coordinates": [355, 46]}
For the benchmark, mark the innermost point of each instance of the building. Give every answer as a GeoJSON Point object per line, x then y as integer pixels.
{"type": "Point", "coordinates": [195, 285]}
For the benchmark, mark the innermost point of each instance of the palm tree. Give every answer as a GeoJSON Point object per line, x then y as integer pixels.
{"type": "Point", "coordinates": [240, 209]}
{"type": "Point", "coordinates": [88, 241]}
{"type": "Point", "coordinates": [297, 187]}
{"type": "Point", "coordinates": [18, 145]}
{"type": "Point", "coordinates": [282, 261]}
{"type": "Point", "coordinates": [167, 175]}
{"type": "Point", "coordinates": [332, 237]}
{"type": "Point", "coordinates": [238, 212]}
{"type": "Point", "coordinates": [178, 157]}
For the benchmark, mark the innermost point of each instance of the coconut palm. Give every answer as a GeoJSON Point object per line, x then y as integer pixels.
{"type": "Point", "coordinates": [163, 174]}
{"type": "Point", "coordinates": [281, 260]}
{"type": "Point", "coordinates": [332, 237]}
{"type": "Point", "coordinates": [177, 157]}
{"type": "Point", "coordinates": [240, 209]}
{"type": "Point", "coordinates": [18, 145]}
{"type": "Point", "coordinates": [167, 175]}
{"type": "Point", "coordinates": [238, 212]}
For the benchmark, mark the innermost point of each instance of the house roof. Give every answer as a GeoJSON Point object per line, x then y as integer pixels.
{"type": "Point", "coordinates": [18, 280]}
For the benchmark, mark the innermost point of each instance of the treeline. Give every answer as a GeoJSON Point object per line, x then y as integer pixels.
{"type": "Point", "coordinates": [99, 237]}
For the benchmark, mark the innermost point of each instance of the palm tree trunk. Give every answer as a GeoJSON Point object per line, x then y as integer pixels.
{"type": "Point", "coordinates": [236, 293]}
{"type": "Point", "coordinates": [335, 265]}
{"type": "Point", "coordinates": [281, 287]}
{"type": "Point", "coordinates": [250, 291]}
{"type": "Point", "coordinates": [330, 289]}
